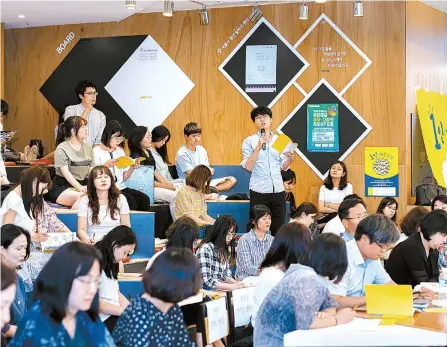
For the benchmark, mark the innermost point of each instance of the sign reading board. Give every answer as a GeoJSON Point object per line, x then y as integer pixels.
{"type": "Point", "coordinates": [381, 171]}
{"type": "Point", "coordinates": [322, 128]}
{"type": "Point", "coordinates": [217, 320]}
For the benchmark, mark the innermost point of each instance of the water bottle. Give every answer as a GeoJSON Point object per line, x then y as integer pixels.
{"type": "Point", "coordinates": [443, 278]}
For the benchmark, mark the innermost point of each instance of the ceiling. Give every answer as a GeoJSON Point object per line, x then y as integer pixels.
{"type": "Point", "coordinates": [56, 12]}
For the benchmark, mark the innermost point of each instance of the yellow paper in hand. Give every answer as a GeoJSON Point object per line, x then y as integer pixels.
{"type": "Point", "coordinates": [283, 142]}
{"type": "Point", "coordinates": [140, 159]}
{"type": "Point", "coordinates": [389, 300]}
{"type": "Point", "coordinates": [123, 162]}
{"type": "Point", "coordinates": [436, 309]}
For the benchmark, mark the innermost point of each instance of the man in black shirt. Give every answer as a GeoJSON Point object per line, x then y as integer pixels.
{"type": "Point", "coordinates": [416, 259]}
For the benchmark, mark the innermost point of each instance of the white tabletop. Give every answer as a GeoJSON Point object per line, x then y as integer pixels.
{"type": "Point", "coordinates": [348, 335]}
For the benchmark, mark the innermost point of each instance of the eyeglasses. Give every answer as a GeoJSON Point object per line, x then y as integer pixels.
{"type": "Point", "coordinates": [118, 138]}
{"type": "Point", "coordinates": [89, 281]}
{"type": "Point", "coordinates": [231, 235]}
{"type": "Point", "coordinates": [92, 93]}
{"type": "Point", "coordinates": [261, 117]}
{"type": "Point", "coordinates": [359, 216]}
{"type": "Point", "coordinates": [384, 248]}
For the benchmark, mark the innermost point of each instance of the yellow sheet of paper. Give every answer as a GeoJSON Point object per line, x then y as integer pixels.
{"type": "Point", "coordinates": [388, 321]}
{"type": "Point", "coordinates": [389, 300]}
{"type": "Point", "coordinates": [436, 309]}
{"type": "Point", "coordinates": [281, 143]}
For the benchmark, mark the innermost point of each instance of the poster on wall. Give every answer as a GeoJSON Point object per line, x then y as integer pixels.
{"type": "Point", "coordinates": [260, 69]}
{"type": "Point", "coordinates": [381, 171]}
{"type": "Point", "coordinates": [322, 128]}
{"type": "Point", "coordinates": [432, 112]}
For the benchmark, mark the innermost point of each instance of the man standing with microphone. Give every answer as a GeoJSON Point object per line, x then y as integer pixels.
{"type": "Point", "coordinates": [265, 164]}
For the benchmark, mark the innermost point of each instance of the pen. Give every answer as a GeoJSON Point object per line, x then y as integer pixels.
{"type": "Point", "coordinates": [355, 307]}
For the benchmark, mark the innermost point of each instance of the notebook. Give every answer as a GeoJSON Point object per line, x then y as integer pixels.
{"type": "Point", "coordinates": [389, 300]}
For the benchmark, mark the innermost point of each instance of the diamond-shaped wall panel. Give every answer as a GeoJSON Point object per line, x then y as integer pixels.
{"type": "Point", "coordinates": [290, 64]}
{"type": "Point", "coordinates": [352, 128]}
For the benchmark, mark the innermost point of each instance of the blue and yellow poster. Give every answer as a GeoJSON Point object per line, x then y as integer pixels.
{"type": "Point", "coordinates": [432, 112]}
{"type": "Point", "coordinates": [381, 171]}
{"type": "Point", "coordinates": [322, 128]}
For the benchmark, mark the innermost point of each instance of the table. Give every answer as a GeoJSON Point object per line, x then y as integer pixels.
{"type": "Point", "coordinates": [423, 329]}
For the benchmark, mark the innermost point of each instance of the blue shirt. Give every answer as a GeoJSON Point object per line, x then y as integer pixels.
{"type": "Point", "coordinates": [266, 173]}
{"type": "Point", "coordinates": [359, 273]}
{"type": "Point", "coordinates": [37, 328]}
{"type": "Point", "coordinates": [347, 236]}
{"type": "Point", "coordinates": [291, 305]}
{"type": "Point", "coordinates": [19, 305]}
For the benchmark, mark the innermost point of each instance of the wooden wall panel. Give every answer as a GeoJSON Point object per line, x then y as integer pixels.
{"type": "Point", "coordinates": [426, 61]}
{"type": "Point", "coordinates": [2, 60]}
{"type": "Point", "coordinates": [378, 95]}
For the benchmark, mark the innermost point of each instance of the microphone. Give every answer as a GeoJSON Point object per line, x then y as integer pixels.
{"type": "Point", "coordinates": [262, 135]}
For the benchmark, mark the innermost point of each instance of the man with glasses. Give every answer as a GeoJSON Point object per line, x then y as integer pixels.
{"type": "Point", "coordinates": [96, 120]}
{"type": "Point", "coordinates": [374, 235]}
{"type": "Point", "coordinates": [351, 212]}
{"type": "Point", "coordinates": [265, 164]}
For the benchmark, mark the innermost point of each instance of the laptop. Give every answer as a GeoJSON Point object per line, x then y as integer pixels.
{"type": "Point", "coordinates": [389, 300]}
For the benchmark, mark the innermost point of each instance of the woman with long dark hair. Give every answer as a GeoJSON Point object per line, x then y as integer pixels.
{"type": "Point", "coordinates": [103, 209]}
{"type": "Point", "coordinates": [289, 245]}
{"type": "Point", "coordinates": [73, 161]}
{"type": "Point", "coordinates": [114, 247]}
{"type": "Point", "coordinates": [216, 253]}
{"type": "Point", "coordinates": [388, 207]}
{"type": "Point", "coordinates": [65, 310]}
{"type": "Point", "coordinates": [140, 141]}
{"type": "Point", "coordinates": [289, 181]}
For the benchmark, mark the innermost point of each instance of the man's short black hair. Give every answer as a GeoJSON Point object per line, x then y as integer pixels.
{"type": "Point", "coordinates": [327, 256]}
{"type": "Point", "coordinates": [260, 110]}
{"type": "Point", "coordinates": [432, 223]}
{"type": "Point", "coordinates": [173, 276]}
{"type": "Point", "coordinates": [346, 205]}
{"type": "Point", "coordinates": [378, 228]}
{"type": "Point", "coordinates": [352, 196]}
{"type": "Point", "coordinates": [82, 87]}
{"type": "Point", "coordinates": [4, 108]}
{"type": "Point", "coordinates": [192, 128]}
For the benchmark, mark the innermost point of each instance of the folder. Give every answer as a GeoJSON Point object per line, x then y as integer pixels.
{"type": "Point", "coordinates": [123, 162]}
{"type": "Point", "coordinates": [284, 144]}
{"type": "Point", "coordinates": [388, 300]}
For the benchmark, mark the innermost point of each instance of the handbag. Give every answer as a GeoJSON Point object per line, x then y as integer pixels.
{"type": "Point", "coordinates": [11, 155]}
{"type": "Point", "coordinates": [426, 192]}
{"type": "Point", "coordinates": [142, 179]}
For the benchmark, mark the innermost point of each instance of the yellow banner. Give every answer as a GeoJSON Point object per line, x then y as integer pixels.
{"type": "Point", "coordinates": [432, 112]}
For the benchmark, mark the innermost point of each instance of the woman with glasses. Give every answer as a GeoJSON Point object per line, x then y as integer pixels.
{"type": "Point", "coordinates": [216, 253]}
{"type": "Point", "coordinates": [388, 207]}
{"type": "Point", "coordinates": [65, 311]}
{"type": "Point", "coordinates": [440, 203]}
{"type": "Point", "coordinates": [107, 154]}
{"type": "Point", "coordinates": [114, 247]}
{"type": "Point", "coordinates": [140, 145]}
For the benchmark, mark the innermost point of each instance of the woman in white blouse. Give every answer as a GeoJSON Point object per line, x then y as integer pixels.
{"type": "Point", "coordinates": [290, 244]}
{"type": "Point", "coordinates": [333, 191]}
{"type": "Point", "coordinates": [103, 209]}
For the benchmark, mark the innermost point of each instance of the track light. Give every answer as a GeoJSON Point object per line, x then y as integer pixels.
{"type": "Point", "coordinates": [256, 14]}
{"type": "Point", "coordinates": [204, 18]}
{"type": "Point", "coordinates": [358, 8]}
{"type": "Point", "coordinates": [320, 1]}
{"type": "Point", "coordinates": [131, 4]}
{"type": "Point", "coordinates": [304, 11]}
{"type": "Point", "coordinates": [168, 8]}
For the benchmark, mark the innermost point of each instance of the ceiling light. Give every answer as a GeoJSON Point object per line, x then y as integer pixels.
{"type": "Point", "coordinates": [204, 17]}
{"type": "Point", "coordinates": [131, 4]}
{"type": "Point", "coordinates": [21, 16]}
{"type": "Point", "coordinates": [304, 11]}
{"type": "Point", "coordinates": [256, 14]}
{"type": "Point", "coordinates": [168, 8]}
{"type": "Point", "coordinates": [320, 1]}
{"type": "Point", "coordinates": [358, 8]}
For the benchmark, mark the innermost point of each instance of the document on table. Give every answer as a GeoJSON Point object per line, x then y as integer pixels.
{"type": "Point", "coordinates": [361, 324]}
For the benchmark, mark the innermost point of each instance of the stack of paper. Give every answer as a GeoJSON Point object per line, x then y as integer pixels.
{"type": "Point", "coordinates": [55, 240]}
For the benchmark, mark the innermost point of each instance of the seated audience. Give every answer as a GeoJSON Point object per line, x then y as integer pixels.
{"type": "Point", "coordinates": [335, 226]}
{"type": "Point", "coordinates": [173, 277]}
{"type": "Point", "coordinates": [289, 181]}
{"type": "Point", "coordinates": [25, 207]}
{"type": "Point", "coordinates": [192, 154]}
{"type": "Point", "coordinates": [103, 209]}
{"type": "Point", "coordinates": [15, 245]}
{"type": "Point", "coordinates": [440, 203]}
{"type": "Point", "coordinates": [65, 310]}
{"type": "Point", "coordinates": [8, 291]}
{"type": "Point", "coordinates": [86, 93]}
{"type": "Point", "coordinates": [388, 207]}
{"type": "Point", "coordinates": [254, 245]}
{"type": "Point", "coordinates": [351, 212]}
{"type": "Point", "coordinates": [415, 260]}
{"type": "Point", "coordinates": [114, 247]}
{"type": "Point", "coordinates": [216, 253]}
{"type": "Point", "coordinates": [300, 301]}
{"type": "Point", "coordinates": [304, 214]}
{"type": "Point", "coordinates": [373, 237]}
{"type": "Point", "coordinates": [411, 222]}
{"type": "Point", "coordinates": [332, 192]}
{"type": "Point", "coordinates": [290, 244]}
{"type": "Point", "coordinates": [190, 199]}
{"type": "Point", "coordinates": [73, 161]}
{"type": "Point", "coordinates": [107, 154]}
